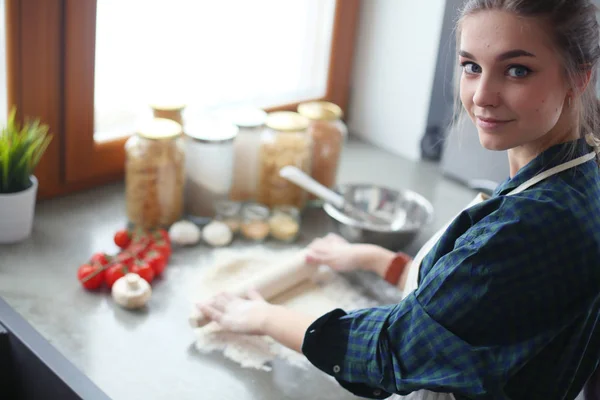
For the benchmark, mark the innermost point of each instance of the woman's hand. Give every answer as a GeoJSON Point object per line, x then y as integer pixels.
{"type": "Point", "coordinates": [254, 316]}
{"type": "Point", "coordinates": [236, 314]}
{"type": "Point", "coordinates": [335, 252]}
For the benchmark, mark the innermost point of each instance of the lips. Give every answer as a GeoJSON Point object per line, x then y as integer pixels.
{"type": "Point", "coordinates": [491, 123]}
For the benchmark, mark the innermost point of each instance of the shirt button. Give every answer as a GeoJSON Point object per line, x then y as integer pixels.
{"type": "Point", "coordinates": [336, 368]}
{"type": "Point", "coordinates": [377, 392]}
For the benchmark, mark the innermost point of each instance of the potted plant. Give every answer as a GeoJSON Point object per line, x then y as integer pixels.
{"type": "Point", "coordinates": [21, 148]}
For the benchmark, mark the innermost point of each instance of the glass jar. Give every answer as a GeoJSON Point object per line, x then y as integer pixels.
{"type": "Point", "coordinates": [255, 222]}
{"type": "Point", "coordinates": [284, 223]}
{"type": "Point", "coordinates": [250, 123]}
{"type": "Point", "coordinates": [328, 133]}
{"type": "Point", "coordinates": [284, 142]}
{"type": "Point", "coordinates": [172, 111]}
{"type": "Point", "coordinates": [209, 164]}
{"type": "Point", "coordinates": [155, 174]}
{"type": "Point", "coordinates": [229, 212]}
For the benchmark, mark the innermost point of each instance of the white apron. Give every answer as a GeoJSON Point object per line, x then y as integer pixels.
{"type": "Point", "coordinates": [413, 273]}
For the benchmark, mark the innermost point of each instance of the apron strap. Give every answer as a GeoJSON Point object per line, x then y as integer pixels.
{"type": "Point", "coordinates": [553, 171]}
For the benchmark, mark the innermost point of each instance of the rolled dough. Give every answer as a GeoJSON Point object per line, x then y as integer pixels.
{"type": "Point", "coordinates": [314, 297]}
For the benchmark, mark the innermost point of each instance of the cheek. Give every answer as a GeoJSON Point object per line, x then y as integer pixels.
{"type": "Point", "coordinates": [537, 106]}
{"type": "Point", "coordinates": [467, 90]}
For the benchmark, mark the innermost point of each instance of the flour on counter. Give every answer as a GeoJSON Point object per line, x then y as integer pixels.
{"type": "Point", "coordinates": [318, 297]}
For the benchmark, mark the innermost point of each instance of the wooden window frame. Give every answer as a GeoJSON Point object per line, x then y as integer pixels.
{"type": "Point", "coordinates": [50, 73]}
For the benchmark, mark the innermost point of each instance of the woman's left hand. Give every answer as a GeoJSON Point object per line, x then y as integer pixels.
{"type": "Point", "coordinates": [236, 314]}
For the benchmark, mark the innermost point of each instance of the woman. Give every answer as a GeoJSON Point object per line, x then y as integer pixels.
{"type": "Point", "coordinates": [506, 304]}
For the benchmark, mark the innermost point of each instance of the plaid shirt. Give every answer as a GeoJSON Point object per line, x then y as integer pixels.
{"type": "Point", "coordinates": [506, 307]}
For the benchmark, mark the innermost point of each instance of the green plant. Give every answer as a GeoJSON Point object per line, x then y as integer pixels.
{"type": "Point", "coordinates": [21, 148]}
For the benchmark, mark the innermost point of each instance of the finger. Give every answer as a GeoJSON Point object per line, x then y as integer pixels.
{"type": "Point", "coordinates": [253, 294]}
{"type": "Point", "coordinates": [314, 257]}
{"type": "Point", "coordinates": [221, 301]}
{"type": "Point", "coordinates": [211, 312]}
{"type": "Point", "coordinates": [314, 243]}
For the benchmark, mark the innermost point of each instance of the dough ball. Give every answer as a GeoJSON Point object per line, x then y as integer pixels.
{"type": "Point", "coordinates": [217, 234]}
{"type": "Point", "coordinates": [184, 233]}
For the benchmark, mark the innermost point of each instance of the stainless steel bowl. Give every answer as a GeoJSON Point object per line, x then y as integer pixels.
{"type": "Point", "coordinates": [409, 212]}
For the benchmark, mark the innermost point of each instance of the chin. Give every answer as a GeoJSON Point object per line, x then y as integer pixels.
{"type": "Point", "coordinates": [493, 142]}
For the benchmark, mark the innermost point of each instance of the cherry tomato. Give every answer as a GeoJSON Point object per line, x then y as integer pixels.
{"type": "Point", "coordinates": [157, 261]}
{"type": "Point", "coordinates": [122, 238]}
{"type": "Point", "coordinates": [138, 250]}
{"type": "Point", "coordinates": [144, 270]}
{"type": "Point", "coordinates": [163, 248]}
{"type": "Point", "coordinates": [90, 276]}
{"type": "Point", "coordinates": [165, 236]}
{"type": "Point", "coordinates": [126, 258]}
{"type": "Point", "coordinates": [99, 259]}
{"type": "Point", "coordinates": [113, 273]}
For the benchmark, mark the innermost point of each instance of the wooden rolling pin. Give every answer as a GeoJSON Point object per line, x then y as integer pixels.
{"type": "Point", "coordinates": [274, 280]}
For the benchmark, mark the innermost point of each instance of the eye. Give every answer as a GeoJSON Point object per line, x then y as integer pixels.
{"type": "Point", "coordinates": [471, 68]}
{"type": "Point", "coordinates": [518, 71]}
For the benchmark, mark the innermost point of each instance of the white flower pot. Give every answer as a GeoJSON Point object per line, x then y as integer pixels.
{"type": "Point", "coordinates": [16, 214]}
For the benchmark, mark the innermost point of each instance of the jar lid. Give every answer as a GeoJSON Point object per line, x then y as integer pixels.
{"type": "Point", "coordinates": [168, 106]}
{"type": "Point", "coordinates": [159, 128]}
{"type": "Point", "coordinates": [287, 121]}
{"type": "Point", "coordinates": [211, 129]}
{"type": "Point", "coordinates": [243, 117]}
{"type": "Point", "coordinates": [320, 110]}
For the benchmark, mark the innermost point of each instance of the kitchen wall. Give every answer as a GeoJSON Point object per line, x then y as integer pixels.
{"type": "Point", "coordinates": [394, 70]}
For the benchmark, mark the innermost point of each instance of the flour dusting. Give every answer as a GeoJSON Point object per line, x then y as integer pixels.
{"type": "Point", "coordinates": [326, 292]}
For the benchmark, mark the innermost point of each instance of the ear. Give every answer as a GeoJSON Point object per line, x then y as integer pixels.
{"type": "Point", "coordinates": [582, 80]}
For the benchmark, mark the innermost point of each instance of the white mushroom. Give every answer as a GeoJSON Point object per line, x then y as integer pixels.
{"type": "Point", "coordinates": [184, 233]}
{"type": "Point", "coordinates": [217, 234]}
{"type": "Point", "coordinates": [131, 291]}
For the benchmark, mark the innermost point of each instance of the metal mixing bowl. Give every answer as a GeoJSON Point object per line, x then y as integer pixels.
{"type": "Point", "coordinates": [409, 212]}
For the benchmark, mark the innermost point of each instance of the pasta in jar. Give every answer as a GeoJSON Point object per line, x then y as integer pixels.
{"type": "Point", "coordinates": [155, 175]}
{"type": "Point", "coordinates": [283, 143]}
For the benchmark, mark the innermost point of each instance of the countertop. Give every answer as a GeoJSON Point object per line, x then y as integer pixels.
{"type": "Point", "coordinates": [151, 354]}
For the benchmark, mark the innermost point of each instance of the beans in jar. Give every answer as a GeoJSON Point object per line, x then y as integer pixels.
{"type": "Point", "coordinates": [328, 133]}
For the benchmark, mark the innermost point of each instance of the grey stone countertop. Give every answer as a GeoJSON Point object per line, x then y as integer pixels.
{"type": "Point", "coordinates": [151, 354]}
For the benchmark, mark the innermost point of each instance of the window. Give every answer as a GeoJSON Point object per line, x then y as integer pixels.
{"type": "Point", "coordinates": [90, 69]}
{"type": "Point", "coordinates": [207, 54]}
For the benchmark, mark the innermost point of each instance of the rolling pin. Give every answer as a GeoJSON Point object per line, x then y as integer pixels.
{"type": "Point", "coordinates": [276, 279]}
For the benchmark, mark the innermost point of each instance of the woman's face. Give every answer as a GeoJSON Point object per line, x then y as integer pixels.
{"type": "Point", "coordinates": [512, 83]}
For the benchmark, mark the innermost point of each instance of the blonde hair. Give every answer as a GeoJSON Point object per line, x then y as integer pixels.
{"type": "Point", "coordinates": [576, 36]}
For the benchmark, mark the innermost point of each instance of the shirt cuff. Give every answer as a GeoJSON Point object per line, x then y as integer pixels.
{"type": "Point", "coordinates": [325, 346]}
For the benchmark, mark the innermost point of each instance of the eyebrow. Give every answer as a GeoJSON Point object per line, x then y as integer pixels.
{"type": "Point", "coordinates": [502, 57]}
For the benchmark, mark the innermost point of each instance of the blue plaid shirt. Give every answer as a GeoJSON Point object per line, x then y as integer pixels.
{"type": "Point", "coordinates": [507, 303]}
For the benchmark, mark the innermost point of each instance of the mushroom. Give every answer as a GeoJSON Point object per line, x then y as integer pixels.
{"type": "Point", "coordinates": [131, 291]}
{"type": "Point", "coordinates": [217, 234]}
{"type": "Point", "coordinates": [184, 233]}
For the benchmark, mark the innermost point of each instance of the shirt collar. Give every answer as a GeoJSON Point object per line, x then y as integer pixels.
{"type": "Point", "coordinates": [549, 158]}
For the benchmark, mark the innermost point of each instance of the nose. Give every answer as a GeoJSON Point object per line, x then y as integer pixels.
{"type": "Point", "coordinates": [487, 93]}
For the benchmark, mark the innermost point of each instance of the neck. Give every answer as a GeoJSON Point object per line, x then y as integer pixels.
{"type": "Point", "coordinates": [520, 156]}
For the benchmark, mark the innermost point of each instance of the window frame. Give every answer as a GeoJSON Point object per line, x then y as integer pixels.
{"type": "Point", "coordinates": [50, 73]}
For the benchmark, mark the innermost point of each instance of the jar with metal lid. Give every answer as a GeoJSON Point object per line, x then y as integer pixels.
{"type": "Point", "coordinates": [284, 223]}
{"type": "Point", "coordinates": [229, 212]}
{"type": "Point", "coordinates": [172, 111]}
{"type": "Point", "coordinates": [155, 174]}
{"type": "Point", "coordinates": [284, 142]}
{"type": "Point", "coordinates": [209, 163]}
{"type": "Point", "coordinates": [328, 133]}
{"type": "Point", "coordinates": [250, 122]}
{"type": "Point", "coordinates": [255, 222]}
